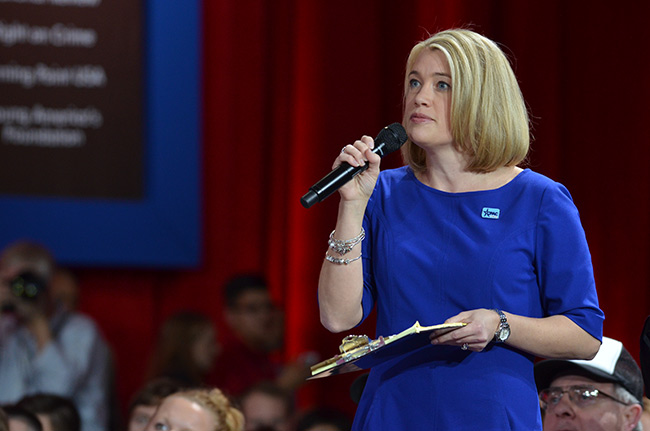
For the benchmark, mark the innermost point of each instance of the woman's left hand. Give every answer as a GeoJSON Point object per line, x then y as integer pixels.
{"type": "Point", "coordinates": [481, 326]}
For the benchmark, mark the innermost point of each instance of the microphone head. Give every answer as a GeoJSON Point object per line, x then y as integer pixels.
{"type": "Point", "coordinates": [390, 138]}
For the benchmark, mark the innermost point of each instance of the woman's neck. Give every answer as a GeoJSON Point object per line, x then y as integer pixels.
{"type": "Point", "coordinates": [448, 173]}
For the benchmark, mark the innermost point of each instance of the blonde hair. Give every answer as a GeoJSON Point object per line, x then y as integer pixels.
{"type": "Point", "coordinates": [489, 121]}
{"type": "Point", "coordinates": [228, 418]}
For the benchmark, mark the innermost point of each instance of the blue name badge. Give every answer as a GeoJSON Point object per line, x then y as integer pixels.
{"type": "Point", "coordinates": [492, 213]}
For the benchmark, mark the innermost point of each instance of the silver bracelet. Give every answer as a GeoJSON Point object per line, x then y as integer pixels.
{"type": "Point", "coordinates": [340, 261]}
{"type": "Point", "coordinates": [341, 246]}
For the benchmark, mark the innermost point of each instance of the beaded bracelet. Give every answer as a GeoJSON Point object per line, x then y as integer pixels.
{"type": "Point", "coordinates": [339, 261]}
{"type": "Point", "coordinates": [345, 246]}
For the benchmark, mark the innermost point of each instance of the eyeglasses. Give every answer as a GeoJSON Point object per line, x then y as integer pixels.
{"type": "Point", "coordinates": [582, 396]}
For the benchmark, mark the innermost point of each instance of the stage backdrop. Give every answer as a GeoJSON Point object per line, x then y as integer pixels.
{"type": "Point", "coordinates": [287, 83]}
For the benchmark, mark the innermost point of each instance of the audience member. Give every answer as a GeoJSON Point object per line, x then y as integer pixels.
{"type": "Point", "coordinates": [645, 414]}
{"type": "Point", "coordinates": [197, 410]}
{"type": "Point", "coordinates": [145, 402]}
{"type": "Point", "coordinates": [64, 289]}
{"type": "Point", "coordinates": [322, 419]}
{"type": "Point", "coordinates": [56, 413]}
{"type": "Point", "coordinates": [644, 354]}
{"type": "Point", "coordinates": [267, 407]}
{"type": "Point", "coordinates": [357, 387]}
{"type": "Point", "coordinates": [44, 348]}
{"type": "Point", "coordinates": [258, 329]}
{"type": "Point", "coordinates": [603, 393]}
{"type": "Point", "coordinates": [186, 349]}
{"type": "Point", "coordinates": [20, 419]}
{"type": "Point", "coordinates": [4, 421]}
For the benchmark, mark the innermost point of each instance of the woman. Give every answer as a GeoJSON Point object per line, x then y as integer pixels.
{"type": "Point", "coordinates": [461, 234]}
{"type": "Point", "coordinates": [186, 349]}
{"type": "Point", "coordinates": [145, 402]}
{"type": "Point", "coordinates": [196, 410]}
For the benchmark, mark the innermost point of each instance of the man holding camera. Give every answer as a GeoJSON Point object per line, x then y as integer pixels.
{"type": "Point", "coordinates": [44, 349]}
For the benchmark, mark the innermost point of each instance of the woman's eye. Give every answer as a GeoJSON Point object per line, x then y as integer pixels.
{"type": "Point", "coordinates": [161, 427]}
{"type": "Point", "coordinates": [414, 83]}
{"type": "Point", "coordinates": [442, 85]}
{"type": "Point", "coordinates": [141, 419]}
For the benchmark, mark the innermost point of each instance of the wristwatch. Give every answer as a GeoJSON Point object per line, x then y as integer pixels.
{"type": "Point", "coordinates": [503, 331]}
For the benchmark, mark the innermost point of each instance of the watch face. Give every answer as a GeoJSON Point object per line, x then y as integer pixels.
{"type": "Point", "coordinates": [504, 333]}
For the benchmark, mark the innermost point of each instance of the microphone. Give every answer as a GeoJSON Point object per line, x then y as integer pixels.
{"type": "Point", "coordinates": [389, 139]}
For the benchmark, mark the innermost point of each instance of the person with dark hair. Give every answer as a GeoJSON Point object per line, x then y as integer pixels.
{"type": "Point", "coordinates": [45, 348]}
{"type": "Point", "coordinates": [4, 421]}
{"type": "Point", "coordinates": [266, 407]}
{"type": "Point", "coordinates": [20, 419]}
{"type": "Point", "coordinates": [644, 354]}
{"type": "Point", "coordinates": [64, 289]}
{"type": "Point", "coordinates": [462, 233]}
{"type": "Point", "coordinates": [257, 329]}
{"type": "Point", "coordinates": [145, 402]}
{"type": "Point", "coordinates": [55, 413]}
{"type": "Point", "coordinates": [323, 419]}
{"type": "Point", "coordinates": [185, 350]}
{"type": "Point", "coordinates": [601, 394]}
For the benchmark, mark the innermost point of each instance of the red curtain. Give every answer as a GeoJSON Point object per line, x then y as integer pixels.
{"type": "Point", "coordinates": [287, 83]}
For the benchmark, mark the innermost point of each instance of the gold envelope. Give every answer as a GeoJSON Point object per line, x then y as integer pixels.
{"type": "Point", "coordinates": [359, 352]}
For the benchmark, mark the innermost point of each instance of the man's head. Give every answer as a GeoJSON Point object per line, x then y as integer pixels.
{"type": "Point", "coordinates": [324, 419]}
{"type": "Point", "coordinates": [28, 256]}
{"type": "Point", "coordinates": [266, 407]}
{"type": "Point", "coordinates": [145, 402]}
{"type": "Point", "coordinates": [26, 269]}
{"type": "Point", "coordinates": [56, 413]}
{"type": "Point", "coordinates": [251, 314]}
{"type": "Point", "coordinates": [20, 419]}
{"type": "Point", "coordinates": [600, 394]}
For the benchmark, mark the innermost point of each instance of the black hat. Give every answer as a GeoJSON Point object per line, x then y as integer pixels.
{"type": "Point", "coordinates": [613, 364]}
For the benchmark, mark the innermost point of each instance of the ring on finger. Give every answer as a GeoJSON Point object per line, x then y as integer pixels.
{"type": "Point", "coordinates": [343, 150]}
{"type": "Point", "coordinates": [464, 346]}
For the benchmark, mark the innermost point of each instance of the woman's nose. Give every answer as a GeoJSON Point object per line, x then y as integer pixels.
{"type": "Point", "coordinates": [424, 96]}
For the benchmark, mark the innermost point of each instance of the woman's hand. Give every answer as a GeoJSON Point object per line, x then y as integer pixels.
{"type": "Point", "coordinates": [359, 154]}
{"type": "Point", "coordinates": [481, 326]}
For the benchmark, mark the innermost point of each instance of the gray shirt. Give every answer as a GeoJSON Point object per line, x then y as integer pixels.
{"type": "Point", "coordinates": [75, 364]}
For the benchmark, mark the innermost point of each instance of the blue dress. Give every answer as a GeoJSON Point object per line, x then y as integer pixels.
{"type": "Point", "coordinates": [429, 255]}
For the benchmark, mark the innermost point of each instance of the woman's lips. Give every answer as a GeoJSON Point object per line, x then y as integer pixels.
{"type": "Point", "coordinates": [420, 118]}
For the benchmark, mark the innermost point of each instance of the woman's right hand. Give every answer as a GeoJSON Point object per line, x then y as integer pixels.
{"type": "Point", "coordinates": [359, 154]}
{"type": "Point", "coordinates": [340, 287]}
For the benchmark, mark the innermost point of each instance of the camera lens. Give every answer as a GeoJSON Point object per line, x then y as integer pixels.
{"type": "Point", "coordinates": [27, 286]}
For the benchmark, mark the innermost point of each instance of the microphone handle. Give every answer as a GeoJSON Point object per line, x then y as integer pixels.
{"type": "Point", "coordinates": [335, 179]}
{"type": "Point", "coordinates": [331, 183]}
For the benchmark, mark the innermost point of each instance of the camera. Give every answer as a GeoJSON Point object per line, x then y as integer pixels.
{"type": "Point", "coordinates": [26, 286]}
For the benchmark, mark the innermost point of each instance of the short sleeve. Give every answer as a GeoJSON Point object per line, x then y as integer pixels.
{"type": "Point", "coordinates": [564, 269]}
